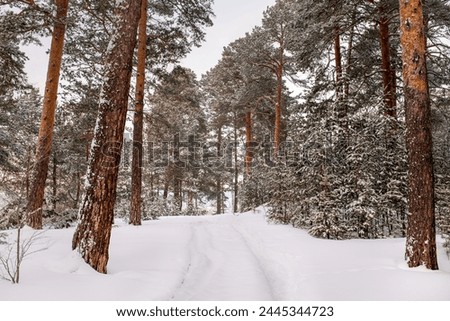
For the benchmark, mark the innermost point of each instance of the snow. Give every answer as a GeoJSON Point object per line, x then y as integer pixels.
{"type": "Point", "coordinates": [226, 257]}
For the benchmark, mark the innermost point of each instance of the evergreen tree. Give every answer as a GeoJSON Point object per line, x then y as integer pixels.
{"type": "Point", "coordinates": [45, 137]}
{"type": "Point", "coordinates": [93, 233]}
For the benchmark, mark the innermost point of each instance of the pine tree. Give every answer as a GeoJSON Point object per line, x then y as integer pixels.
{"type": "Point", "coordinates": [45, 137]}
{"type": "Point", "coordinates": [178, 91]}
{"type": "Point", "coordinates": [421, 238]}
{"type": "Point", "coordinates": [138, 121]}
{"type": "Point", "coordinates": [93, 233]}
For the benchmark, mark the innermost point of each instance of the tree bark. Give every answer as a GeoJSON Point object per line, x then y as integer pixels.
{"type": "Point", "coordinates": [77, 196]}
{"type": "Point", "coordinates": [138, 121]}
{"type": "Point", "coordinates": [219, 190]}
{"type": "Point", "coordinates": [389, 87]}
{"type": "Point", "coordinates": [177, 189]}
{"type": "Point", "coordinates": [279, 101]}
{"type": "Point", "coordinates": [248, 143]}
{"type": "Point", "coordinates": [421, 234]}
{"type": "Point", "coordinates": [236, 166]}
{"type": "Point", "coordinates": [28, 170]}
{"type": "Point", "coordinates": [167, 178]}
{"type": "Point", "coordinates": [45, 137]}
{"type": "Point", "coordinates": [92, 235]}
{"type": "Point", "coordinates": [338, 62]}
{"type": "Point", "coordinates": [54, 183]}
{"type": "Point", "coordinates": [349, 57]}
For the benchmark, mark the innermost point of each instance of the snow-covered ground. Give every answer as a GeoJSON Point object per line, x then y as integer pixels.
{"type": "Point", "coordinates": [227, 257]}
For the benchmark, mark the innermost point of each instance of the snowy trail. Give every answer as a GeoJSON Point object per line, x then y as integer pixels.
{"type": "Point", "coordinates": [222, 267]}
{"type": "Point", "coordinates": [229, 258]}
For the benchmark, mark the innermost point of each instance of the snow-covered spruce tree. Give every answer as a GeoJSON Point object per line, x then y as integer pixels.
{"type": "Point", "coordinates": [12, 63]}
{"type": "Point", "coordinates": [17, 30]}
{"type": "Point", "coordinates": [330, 185]}
{"type": "Point", "coordinates": [178, 164]}
{"type": "Point", "coordinates": [93, 233]}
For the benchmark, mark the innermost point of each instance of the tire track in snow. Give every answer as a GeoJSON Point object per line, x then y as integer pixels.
{"type": "Point", "coordinates": [202, 264]}
{"type": "Point", "coordinates": [222, 266]}
{"type": "Point", "coordinates": [270, 284]}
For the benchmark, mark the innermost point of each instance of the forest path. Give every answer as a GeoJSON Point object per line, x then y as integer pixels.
{"type": "Point", "coordinates": [225, 258]}
{"type": "Point", "coordinates": [222, 266]}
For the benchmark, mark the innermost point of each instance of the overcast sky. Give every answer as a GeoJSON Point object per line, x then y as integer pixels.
{"type": "Point", "coordinates": [233, 19]}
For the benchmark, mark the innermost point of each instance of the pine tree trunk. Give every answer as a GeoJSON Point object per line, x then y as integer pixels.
{"type": "Point", "coordinates": [236, 167]}
{"type": "Point", "coordinates": [248, 143]}
{"type": "Point", "coordinates": [190, 200]}
{"type": "Point", "coordinates": [45, 137]}
{"type": "Point", "coordinates": [341, 105]}
{"type": "Point", "coordinates": [349, 57]}
{"type": "Point", "coordinates": [338, 62]}
{"type": "Point", "coordinates": [27, 175]}
{"type": "Point", "coordinates": [54, 184]}
{"type": "Point", "coordinates": [177, 189]}
{"type": "Point", "coordinates": [219, 200]}
{"type": "Point", "coordinates": [421, 238]}
{"type": "Point", "coordinates": [218, 195]}
{"type": "Point", "coordinates": [77, 196]}
{"type": "Point", "coordinates": [92, 235]}
{"type": "Point", "coordinates": [167, 178]}
{"type": "Point", "coordinates": [138, 121]}
{"type": "Point", "coordinates": [386, 65]}
{"type": "Point", "coordinates": [277, 135]}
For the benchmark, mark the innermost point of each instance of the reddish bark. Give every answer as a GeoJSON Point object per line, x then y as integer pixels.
{"type": "Point", "coordinates": [45, 137]}
{"type": "Point", "coordinates": [93, 233]}
{"type": "Point", "coordinates": [421, 232]}
{"type": "Point", "coordinates": [390, 100]}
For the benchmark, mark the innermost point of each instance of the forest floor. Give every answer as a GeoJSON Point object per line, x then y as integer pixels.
{"type": "Point", "coordinates": [225, 257]}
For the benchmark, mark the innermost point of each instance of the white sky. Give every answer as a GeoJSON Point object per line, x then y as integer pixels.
{"type": "Point", "coordinates": [233, 19]}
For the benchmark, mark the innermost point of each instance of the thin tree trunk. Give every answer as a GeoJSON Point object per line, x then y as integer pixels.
{"type": "Point", "coordinates": [236, 168]}
{"type": "Point", "coordinates": [167, 178]}
{"type": "Point", "coordinates": [152, 186]}
{"type": "Point", "coordinates": [45, 137]}
{"type": "Point", "coordinates": [248, 143]}
{"type": "Point", "coordinates": [177, 189]}
{"type": "Point", "coordinates": [219, 197]}
{"type": "Point", "coordinates": [138, 122]}
{"type": "Point", "coordinates": [421, 233]}
{"type": "Point", "coordinates": [390, 100]}
{"type": "Point", "coordinates": [341, 105]}
{"type": "Point", "coordinates": [349, 56]}
{"type": "Point", "coordinates": [19, 254]}
{"type": "Point", "coordinates": [54, 183]}
{"type": "Point", "coordinates": [338, 61]}
{"type": "Point", "coordinates": [77, 197]}
{"type": "Point", "coordinates": [277, 136]}
{"type": "Point", "coordinates": [27, 177]}
{"type": "Point", "coordinates": [279, 101]}
{"type": "Point", "coordinates": [93, 233]}
{"type": "Point", "coordinates": [190, 200]}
